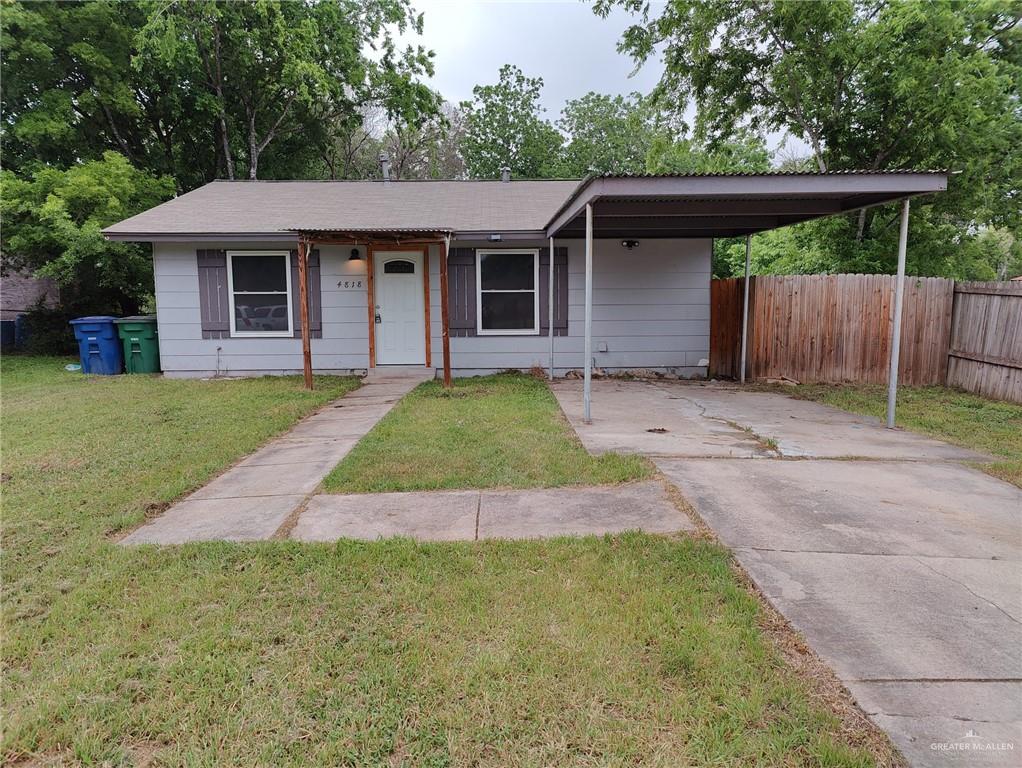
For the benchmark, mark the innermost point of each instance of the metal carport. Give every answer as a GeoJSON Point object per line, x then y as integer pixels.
{"type": "Point", "coordinates": [699, 205]}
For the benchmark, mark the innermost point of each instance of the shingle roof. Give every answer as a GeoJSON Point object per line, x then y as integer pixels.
{"type": "Point", "coordinates": [264, 207]}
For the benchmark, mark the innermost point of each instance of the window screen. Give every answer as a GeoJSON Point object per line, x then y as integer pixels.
{"type": "Point", "coordinates": [260, 290]}
{"type": "Point", "coordinates": [507, 292]}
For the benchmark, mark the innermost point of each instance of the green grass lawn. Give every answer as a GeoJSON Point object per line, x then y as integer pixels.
{"type": "Point", "coordinates": [503, 431]}
{"type": "Point", "coordinates": [629, 650]}
{"type": "Point", "coordinates": [992, 427]}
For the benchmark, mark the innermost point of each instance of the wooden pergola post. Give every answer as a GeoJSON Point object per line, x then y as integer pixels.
{"type": "Point", "coordinates": [303, 311]}
{"type": "Point", "coordinates": [445, 320]}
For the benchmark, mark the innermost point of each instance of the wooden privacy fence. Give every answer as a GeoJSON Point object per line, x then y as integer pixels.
{"type": "Point", "coordinates": [837, 328]}
{"type": "Point", "coordinates": [986, 340]}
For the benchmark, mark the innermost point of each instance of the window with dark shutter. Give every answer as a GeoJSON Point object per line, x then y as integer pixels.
{"type": "Point", "coordinates": [461, 285]}
{"type": "Point", "coordinates": [215, 301]}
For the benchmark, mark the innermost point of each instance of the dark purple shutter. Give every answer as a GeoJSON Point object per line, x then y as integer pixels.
{"type": "Point", "coordinates": [461, 289]}
{"type": "Point", "coordinates": [315, 296]}
{"type": "Point", "coordinates": [214, 307]}
{"type": "Point", "coordinates": [560, 291]}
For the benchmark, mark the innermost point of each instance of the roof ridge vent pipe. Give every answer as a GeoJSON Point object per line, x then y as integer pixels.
{"type": "Point", "coordinates": [385, 166]}
{"type": "Point", "coordinates": [505, 174]}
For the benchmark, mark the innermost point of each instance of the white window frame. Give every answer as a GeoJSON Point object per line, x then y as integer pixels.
{"type": "Point", "coordinates": [235, 333]}
{"type": "Point", "coordinates": [534, 331]}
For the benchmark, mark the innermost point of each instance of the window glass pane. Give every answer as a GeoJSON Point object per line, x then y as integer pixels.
{"type": "Point", "coordinates": [259, 273]}
{"type": "Point", "coordinates": [507, 271]}
{"type": "Point", "coordinates": [399, 267]}
{"type": "Point", "coordinates": [509, 311]}
{"type": "Point", "coordinates": [260, 313]}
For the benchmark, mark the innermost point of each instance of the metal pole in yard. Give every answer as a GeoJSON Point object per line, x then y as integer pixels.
{"type": "Point", "coordinates": [745, 308]}
{"type": "Point", "coordinates": [550, 307]}
{"type": "Point", "coordinates": [587, 384]}
{"type": "Point", "coordinates": [899, 295]}
{"type": "Point", "coordinates": [303, 310]}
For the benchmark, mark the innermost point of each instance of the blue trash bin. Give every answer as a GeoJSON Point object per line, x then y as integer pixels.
{"type": "Point", "coordinates": [99, 346]}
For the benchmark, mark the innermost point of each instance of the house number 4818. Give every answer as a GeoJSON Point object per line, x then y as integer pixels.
{"type": "Point", "coordinates": [350, 283]}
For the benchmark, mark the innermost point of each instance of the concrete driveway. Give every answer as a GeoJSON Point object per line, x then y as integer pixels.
{"type": "Point", "coordinates": [900, 564]}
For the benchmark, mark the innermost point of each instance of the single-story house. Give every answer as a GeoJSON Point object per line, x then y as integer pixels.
{"type": "Point", "coordinates": [510, 257]}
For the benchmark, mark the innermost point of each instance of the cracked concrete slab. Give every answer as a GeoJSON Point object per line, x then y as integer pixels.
{"type": "Point", "coordinates": [892, 617]}
{"type": "Point", "coordinates": [628, 417]}
{"type": "Point", "coordinates": [802, 428]}
{"type": "Point", "coordinates": [969, 717]}
{"type": "Point", "coordinates": [867, 507]}
{"type": "Point", "coordinates": [902, 568]}
{"type": "Point", "coordinates": [905, 572]}
{"type": "Point", "coordinates": [710, 420]}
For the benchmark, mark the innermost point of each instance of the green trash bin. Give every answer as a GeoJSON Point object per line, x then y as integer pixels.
{"type": "Point", "coordinates": [140, 342]}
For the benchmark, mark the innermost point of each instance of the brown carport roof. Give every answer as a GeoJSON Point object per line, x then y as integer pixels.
{"type": "Point", "coordinates": [727, 204]}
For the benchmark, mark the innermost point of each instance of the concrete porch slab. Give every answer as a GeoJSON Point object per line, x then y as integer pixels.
{"type": "Point", "coordinates": [579, 511]}
{"type": "Point", "coordinates": [427, 516]}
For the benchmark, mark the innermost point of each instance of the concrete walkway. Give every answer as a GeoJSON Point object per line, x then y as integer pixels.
{"type": "Point", "coordinates": [254, 498]}
{"type": "Point", "coordinates": [473, 515]}
{"type": "Point", "coordinates": [902, 569]}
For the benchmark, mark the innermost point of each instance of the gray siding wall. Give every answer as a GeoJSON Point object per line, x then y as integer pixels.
{"type": "Point", "coordinates": [651, 309]}
{"type": "Point", "coordinates": [183, 352]}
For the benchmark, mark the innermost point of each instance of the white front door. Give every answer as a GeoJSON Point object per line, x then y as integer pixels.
{"type": "Point", "coordinates": [400, 308]}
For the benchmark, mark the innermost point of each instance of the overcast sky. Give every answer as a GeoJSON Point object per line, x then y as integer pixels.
{"type": "Point", "coordinates": [562, 41]}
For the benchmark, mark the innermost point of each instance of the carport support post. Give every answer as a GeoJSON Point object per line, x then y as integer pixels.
{"type": "Point", "coordinates": [587, 384]}
{"type": "Point", "coordinates": [550, 307]}
{"type": "Point", "coordinates": [445, 312]}
{"type": "Point", "coordinates": [745, 308]}
{"type": "Point", "coordinates": [899, 295]}
{"type": "Point", "coordinates": [303, 309]}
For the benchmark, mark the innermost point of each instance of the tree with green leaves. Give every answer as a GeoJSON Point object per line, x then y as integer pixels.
{"type": "Point", "coordinates": [276, 70]}
{"type": "Point", "coordinates": [205, 89]}
{"type": "Point", "coordinates": [70, 93]}
{"type": "Point", "coordinates": [609, 134]}
{"type": "Point", "coordinates": [504, 128]}
{"type": "Point", "coordinates": [867, 84]}
{"type": "Point", "coordinates": [53, 224]}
